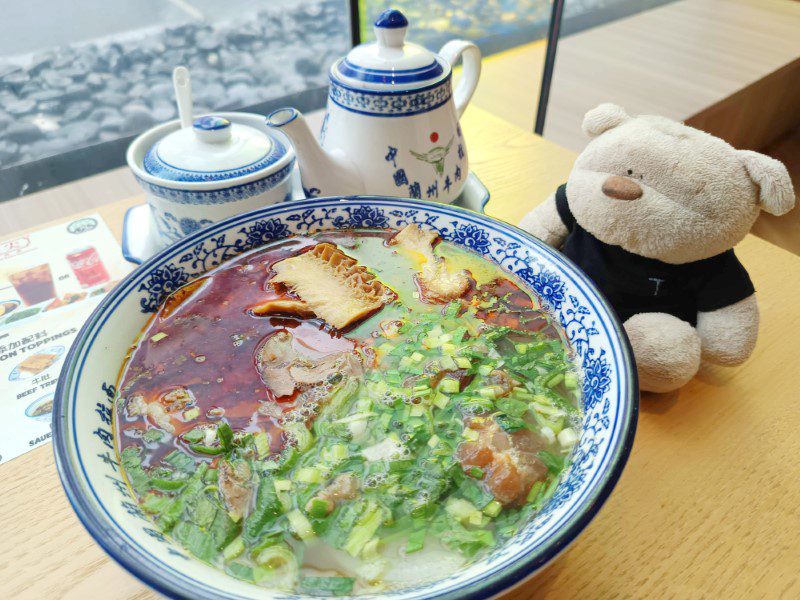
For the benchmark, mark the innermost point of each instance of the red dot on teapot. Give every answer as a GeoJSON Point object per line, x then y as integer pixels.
{"type": "Point", "coordinates": [434, 137]}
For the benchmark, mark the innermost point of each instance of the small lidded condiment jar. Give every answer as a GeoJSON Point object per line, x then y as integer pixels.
{"type": "Point", "coordinates": [221, 166]}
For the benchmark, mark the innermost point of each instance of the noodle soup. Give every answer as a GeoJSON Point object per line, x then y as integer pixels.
{"type": "Point", "coordinates": [348, 412]}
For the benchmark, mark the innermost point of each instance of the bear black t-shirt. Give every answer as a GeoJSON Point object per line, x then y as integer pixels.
{"type": "Point", "coordinates": [635, 284]}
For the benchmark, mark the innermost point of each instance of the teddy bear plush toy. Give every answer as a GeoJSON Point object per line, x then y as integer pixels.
{"type": "Point", "coordinates": [651, 212]}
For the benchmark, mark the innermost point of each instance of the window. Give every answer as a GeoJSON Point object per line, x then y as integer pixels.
{"type": "Point", "coordinates": [79, 79]}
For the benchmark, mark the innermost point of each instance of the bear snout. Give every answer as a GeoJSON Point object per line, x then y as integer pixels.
{"type": "Point", "coordinates": [621, 188]}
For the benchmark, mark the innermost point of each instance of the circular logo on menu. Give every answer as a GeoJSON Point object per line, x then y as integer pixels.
{"type": "Point", "coordinates": [82, 225]}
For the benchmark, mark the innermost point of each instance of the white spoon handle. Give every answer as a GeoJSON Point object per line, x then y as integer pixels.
{"type": "Point", "coordinates": [182, 82]}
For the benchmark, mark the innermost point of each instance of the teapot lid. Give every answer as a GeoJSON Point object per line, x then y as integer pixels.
{"type": "Point", "coordinates": [213, 149]}
{"type": "Point", "coordinates": [390, 63]}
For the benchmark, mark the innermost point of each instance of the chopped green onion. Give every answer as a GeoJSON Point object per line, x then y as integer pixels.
{"type": "Point", "coordinates": [460, 509]}
{"type": "Point", "coordinates": [153, 435]}
{"type": "Point", "coordinates": [416, 541]}
{"type": "Point", "coordinates": [363, 416]}
{"type": "Point", "coordinates": [493, 508]}
{"type": "Point", "coordinates": [551, 432]}
{"type": "Point", "coordinates": [326, 586]}
{"type": "Point", "coordinates": [463, 362]}
{"type": "Point", "coordinates": [167, 485]}
{"type": "Point", "coordinates": [203, 449]}
{"type": "Point", "coordinates": [156, 503]}
{"type": "Point", "coordinates": [234, 549]}
{"type": "Point", "coordinates": [478, 519]}
{"type": "Point", "coordinates": [319, 507]}
{"type": "Point", "coordinates": [195, 435]}
{"type": "Point", "coordinates": [555, 380]}
{"type": "Point", "coordinates": [262, 443]}
{"type": "Point", "coordinates": [282, 485]}
{"type": "Point", "coordinates": [449, 385]}
{"type": "Point", "coordinates": [386, 449]}
{"type": "Point", "coordinates": [448, 363]}
{"type": "Point", "coordinates": [338, 452]}
{"type": "Point", "coordinates": [488, 392]}
{"type": "Point", "coordinates": [554, 463]}
{"type": "Point", "coordinates": [430, 342]}
{"type": "Point", "coordinates": [309, 475]}
{"type": "Point", "coordinates": [475, 472]}
{"type": "Point", "coordinates": [370, 549]}
{"type": "Point", "coordinates": [470, 434]}
{"type": "Point", "coordinates": [513, 407]}
{"type": "Point", "coordinates": [547, 493]}
{"type": "Point", "coordinates": [363, 531]}
{"type": "Point", "coordinates": [440, 400]}
{"type": "Point", "coordinates": [536, 488]}
{"type": "Point", "coordinates": [567, 437]}
{"type": "Point", "coordinates": [225, 434]}
{"type": "Point", "coordinates": [176, 458]}
{"type": "Point", "coordinates": [570, 380]}
{"type": "Point", "coordinates": [509, 423]}
{"type": "Point", "coordinates": [277, 557]}
{"type": "Point", "coordinates": [300, 435]}
{"type": "Point", "coordinates": [417, 410]}
{"type": "Point", "coordinates": [300, 525]}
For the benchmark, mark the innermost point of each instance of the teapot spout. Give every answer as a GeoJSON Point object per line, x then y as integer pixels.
{"type": "Point", "coordinates": [323, 173]}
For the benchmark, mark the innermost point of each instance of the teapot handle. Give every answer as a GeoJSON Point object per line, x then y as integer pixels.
{"type": "Point", "coordinates": [470, 54]}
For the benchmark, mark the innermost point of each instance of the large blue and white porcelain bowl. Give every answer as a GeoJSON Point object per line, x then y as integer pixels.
{"type": "Point", "coordinates": [84, 438]}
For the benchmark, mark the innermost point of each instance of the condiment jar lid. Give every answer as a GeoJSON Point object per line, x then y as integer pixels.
{"type": "Point", "coordinates": [390, 63]}
{"type": "Point", "coordinates": [213, 149]}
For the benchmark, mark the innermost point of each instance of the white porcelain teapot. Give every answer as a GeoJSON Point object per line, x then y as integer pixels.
{"type": "Point", "coordinates": [391, 126]}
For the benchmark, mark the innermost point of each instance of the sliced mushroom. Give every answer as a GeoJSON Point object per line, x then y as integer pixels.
{"type": "Point", "coordinates": [437, 283]}
{"type": "Point", "coordinates": [137, 406]}
{"type": "Point", "coordinates": [413, 237]}
{"type": "Point", "coordinates": [273, 361]}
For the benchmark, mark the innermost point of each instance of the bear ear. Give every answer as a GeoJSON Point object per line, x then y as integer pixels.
{"type": "Point", "coordinates": [602, 118]}
{"type": "Point", "coordinates": [775, 192]}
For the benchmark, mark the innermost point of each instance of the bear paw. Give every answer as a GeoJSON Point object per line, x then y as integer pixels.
{"type": "Point", "coordinates": [667, 351]}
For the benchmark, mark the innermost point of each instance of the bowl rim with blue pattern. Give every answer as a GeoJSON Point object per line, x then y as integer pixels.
{"type": "Point", "coordinates": [83, 436]}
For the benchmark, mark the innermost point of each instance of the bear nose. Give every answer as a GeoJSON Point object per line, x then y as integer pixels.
{"type": "Point", "coordinates": [621, 188]}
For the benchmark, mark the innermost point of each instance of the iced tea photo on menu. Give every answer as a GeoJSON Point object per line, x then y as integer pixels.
{"type": "Point", "coordinates": [34, 285]}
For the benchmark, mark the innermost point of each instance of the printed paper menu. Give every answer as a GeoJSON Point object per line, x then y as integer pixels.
{"type": "Point", "coordinates": [50, 281]}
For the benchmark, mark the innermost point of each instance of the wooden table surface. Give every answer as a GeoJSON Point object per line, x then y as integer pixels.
{"type": "Point", "coordinates": [707, 505]}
